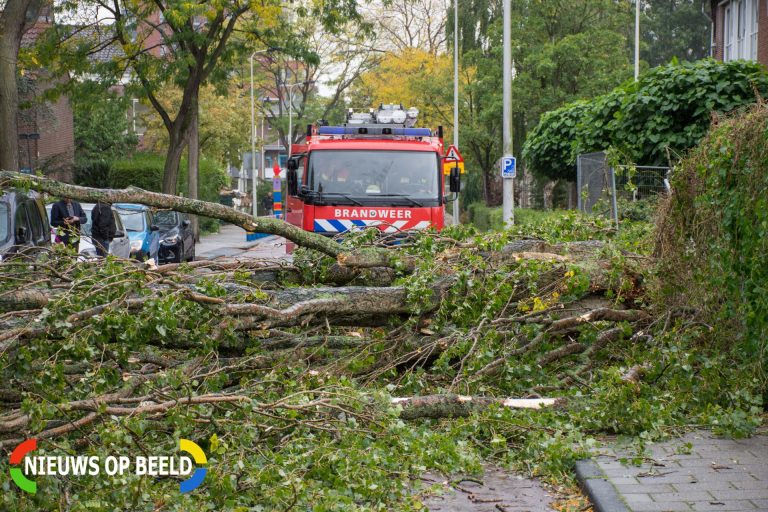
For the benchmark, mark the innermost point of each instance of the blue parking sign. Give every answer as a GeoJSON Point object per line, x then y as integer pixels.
{"type": "Point", "coordinates": [508, 167]}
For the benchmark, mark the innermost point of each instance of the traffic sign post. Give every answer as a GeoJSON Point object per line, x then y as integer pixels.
{"type": "Point", "coordinates": [452, 160]}
{"type": "Point", "coordinates": [453, 154]}
{"type": "Point", "coordinates": [508, 167]}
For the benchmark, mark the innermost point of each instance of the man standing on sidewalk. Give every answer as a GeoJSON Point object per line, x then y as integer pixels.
{"type": "Point", "coordinates": [69, 216]}
{"type": "Point", "coordinates": [103, 227]}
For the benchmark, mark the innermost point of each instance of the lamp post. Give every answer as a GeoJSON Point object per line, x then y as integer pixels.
{"type": "Point", "coordinates": [456, 94]}
{"type": "Point", "coordinates": [508, 190]}
{"type": "Point", "coordinates": [637, 39]}
{"type": "Point", "coordinates": [290, 112]}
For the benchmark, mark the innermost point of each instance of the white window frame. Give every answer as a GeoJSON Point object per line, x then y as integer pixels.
{"type": "Point", "coordinates": [740, 29]}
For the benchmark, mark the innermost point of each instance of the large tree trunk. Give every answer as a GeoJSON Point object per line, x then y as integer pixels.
{"type": "Point", "coordinates": [193, 164]}
{"type": "Point", "coordinates": [13, 24]}
{"type": "Point", "coordinates": [176, 144]}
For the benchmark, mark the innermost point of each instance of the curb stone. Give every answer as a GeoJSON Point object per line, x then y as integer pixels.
{"type": "Point", "coordinates": [600, 491]}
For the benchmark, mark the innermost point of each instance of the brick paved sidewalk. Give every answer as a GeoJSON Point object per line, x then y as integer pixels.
{"type": "Point", "coordinates": [695, 472]}
{"type": "Point", "coordinates": [500, 491]}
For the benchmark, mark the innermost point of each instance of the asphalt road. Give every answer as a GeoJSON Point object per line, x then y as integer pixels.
{"type": "Point", "coordinates": [230, 242]}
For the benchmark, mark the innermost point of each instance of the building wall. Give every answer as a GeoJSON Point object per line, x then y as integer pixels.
{"type": "Point", "coordinates": [718, 15]}
{"type": "Point", "coordinates": [762, 32]}
{"type": "Point", "coordinates": [53, 152]}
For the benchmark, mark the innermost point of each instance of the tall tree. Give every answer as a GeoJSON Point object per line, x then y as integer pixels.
{"type": "Point", "coordinates": [675, 29]}
{"type": "Point", "coordinates": [16, 17]}
{"type": "Point", "coordinates": [188, 44]}
{"type": "Point", "coordinates": [562, 50]}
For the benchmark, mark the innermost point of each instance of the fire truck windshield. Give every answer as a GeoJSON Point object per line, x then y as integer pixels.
{"type": "Point", "coordinates": [389, 176]}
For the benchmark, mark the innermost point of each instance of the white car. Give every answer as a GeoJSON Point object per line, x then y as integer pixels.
{"type": "Point", "coordinates": [120, 246]}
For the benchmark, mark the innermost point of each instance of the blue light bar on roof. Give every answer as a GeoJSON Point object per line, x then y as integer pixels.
{"type": "Point", "coordinates": [367, 130]}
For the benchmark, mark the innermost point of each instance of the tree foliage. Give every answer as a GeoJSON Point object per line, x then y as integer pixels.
{"type": "Point", "coordinates": [224, 121]}
{"type": "Point", "coordinates": [561, 51]}
{"type": "Point", "coordinates": [101, 123]}
{"type": "Point", "coordinates": [415, 78]}
{"type": "Point", "coordinates": [663, 114]}
{"type": "Point", "coordinates": [674, 29]}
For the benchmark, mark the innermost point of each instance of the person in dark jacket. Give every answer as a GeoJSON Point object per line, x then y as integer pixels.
{"type": "Point", "coordinates": [103, 227]}
{"type": "Point", "coordinates": [67, 216]}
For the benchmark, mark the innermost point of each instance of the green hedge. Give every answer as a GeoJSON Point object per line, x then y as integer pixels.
{"type": "Point", "coordinates": [485, 218]}
{"type": "Point", "coordinates": [145, 170]}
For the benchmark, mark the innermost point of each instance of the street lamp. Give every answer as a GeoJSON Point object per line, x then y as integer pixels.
{"type": "Point", "coordinates": [253, 129]}
{"type": "Point", "coordinates": [456, 94]}
{"type": "Point", "coordinates": [637, 39]}
{"type": "Point", "coordinates": [290, 112]}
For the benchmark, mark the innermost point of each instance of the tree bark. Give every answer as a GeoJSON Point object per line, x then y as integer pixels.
{"type": "Point", "coordinates": [266, 225]}
{"type": "Point", "coordinates": [13, 24]}
{"type": "Point", "coordinates": [193, 164]}
{"type": "Point", "coordinates": [455, 406]}
{"type": "Point", "coordinates": [176, 143]}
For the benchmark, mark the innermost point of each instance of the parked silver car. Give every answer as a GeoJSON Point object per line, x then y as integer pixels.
{"type": "Point", "coordinates": [120, 246]}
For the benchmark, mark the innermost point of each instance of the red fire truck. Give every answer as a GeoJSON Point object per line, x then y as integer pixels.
{"type": "Point", "coordinates": [376, 170]}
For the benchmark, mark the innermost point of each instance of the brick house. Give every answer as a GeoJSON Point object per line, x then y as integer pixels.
{"type": "Point", "coordinates": [51, 121]}
{"type": "Point", "coordinates": [740, 30]}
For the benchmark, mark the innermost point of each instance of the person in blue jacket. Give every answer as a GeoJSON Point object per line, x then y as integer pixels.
{"type": "Point", "coordinates": [67, 216]}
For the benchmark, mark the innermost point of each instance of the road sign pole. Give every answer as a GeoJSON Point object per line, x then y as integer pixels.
{"type": "Point", "coordinates": [508, 191]}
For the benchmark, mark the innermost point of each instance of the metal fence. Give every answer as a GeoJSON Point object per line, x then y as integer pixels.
{"type": "Point", "coordinates": [641, 181]}
{"type": "Point", "coordinates": [596, 186]}
{"type": "Point", "coordinates": [600, 186]}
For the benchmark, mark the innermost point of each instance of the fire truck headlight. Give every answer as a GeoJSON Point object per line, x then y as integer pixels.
{"type": "Point", "coordinates": [384, 116]}
{"type": "Point", "coordinates": [413, 113]}
{"type": "Point", "coordinates": [398, 116]}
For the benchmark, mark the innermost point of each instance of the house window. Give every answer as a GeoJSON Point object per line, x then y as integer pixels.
{"type": "Point", "coordinates": [754, 13]}
{"type": "Point", "coordinates": [728, 22]}
{"type": "Point", "coordinates": [740, 29]}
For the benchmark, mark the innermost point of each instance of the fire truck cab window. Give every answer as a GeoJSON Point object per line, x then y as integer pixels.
{"type": "Point", "coordinates": [375, 173]}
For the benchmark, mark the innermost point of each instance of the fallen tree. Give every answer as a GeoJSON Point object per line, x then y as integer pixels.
{"type": "Point", "coordinates": [268, 352]}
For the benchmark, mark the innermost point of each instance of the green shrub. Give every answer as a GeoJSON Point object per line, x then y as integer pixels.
{"type": "Point", "coordinates": [485, 218]}
{"type": "Point", "coordinates": [92, 173]}
{"type": "Point", "coordinates": [713, 235]}
{"type": "Point", "coordinates": [143, 170]}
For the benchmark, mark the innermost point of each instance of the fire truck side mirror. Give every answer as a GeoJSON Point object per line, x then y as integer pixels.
{"type": "Point", "coordinates": [454, 180]}
{"type": "Point", "coordinates": [293, 181]}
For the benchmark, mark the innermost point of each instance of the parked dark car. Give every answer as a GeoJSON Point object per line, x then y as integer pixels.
{"type": "Point", "coordinates": [23, 222]}
{"type": "Point", "coordinates": [177, 241]}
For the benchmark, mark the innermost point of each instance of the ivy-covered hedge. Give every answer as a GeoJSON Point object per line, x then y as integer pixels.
{"type": "Point", "coordinates": [668, 110]}
{"type": "Point", "coordinates": [713, 236]}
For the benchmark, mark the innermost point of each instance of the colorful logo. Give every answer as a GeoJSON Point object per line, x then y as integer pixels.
{"type": "Point", "coordinates": [75, 465]}
{"type": "Point", "coordinates": [17, 456]}
{"type": "Point", "coordinates": [198, 455]}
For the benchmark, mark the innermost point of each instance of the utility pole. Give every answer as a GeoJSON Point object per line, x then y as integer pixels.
{"type": "Point", "coordinates": [290, 112]}
{"type": "Point", "coordinates": [508, 191]}
{"type": "Point", "coordinates": [637, 39]}
{"type": "Point", "coordinates": [456, 95]}
{"type": "Point", "coordinates": [253, 133]}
